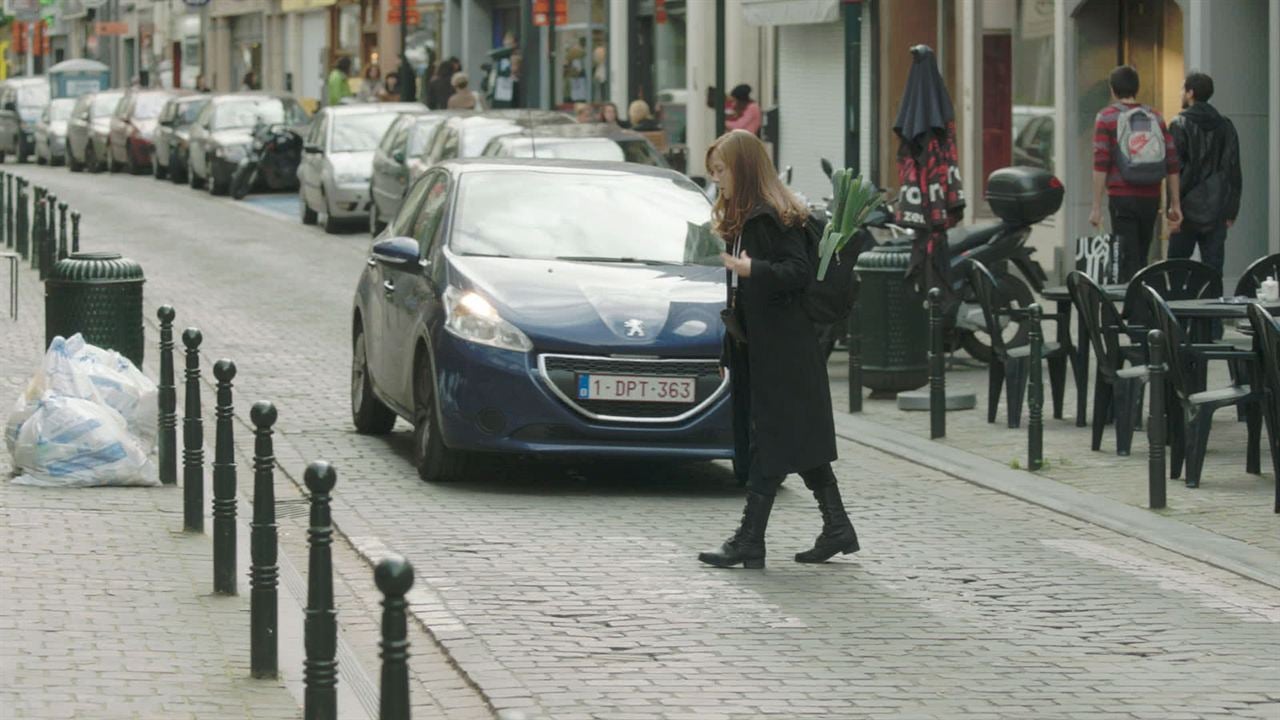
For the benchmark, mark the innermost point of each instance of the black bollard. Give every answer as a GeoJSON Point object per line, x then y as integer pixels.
{"type": "Point", "coordinates": [75, 232]}
{"type": "Point", "coordinates": [937, 369]}
{"type": "Point", "coordinates": [263, 549]}
{"type": "Point", "coordinates": [167, 415]}
{"type": "Point", "coordinates": [62, 230]}
{"type": "Point", "coordinates": [4, 209]}
{"type": "Point", "coordinates": [49, 251]}
{"type": "Point", "coordinates": [1156, 421]}
{"type": "Point", "coordinates": [1035, 392]}
{"type": "Point", "coordinates": [320, 628]}
{"type": "Point", "coordinates": [394, 576]}
{"type": "Point", "coordinates": [20, 236]}
{"type": "Point", "coordinates": [37, 232]}
{"type": "Point", "coordinates": [192, 438]}
{"type": "Point", "coordinates": [855, 359]}
{"type": "Point", "coordinates": [224, 483]}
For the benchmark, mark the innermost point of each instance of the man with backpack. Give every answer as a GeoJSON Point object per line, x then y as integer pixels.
{"type": "Point", "coordinates": [1209, 151]}
{"type": "Point", "coordinates": [1133, 152]}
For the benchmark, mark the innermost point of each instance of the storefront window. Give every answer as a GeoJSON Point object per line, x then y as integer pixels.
{"type": "Point", "coordinates": [1033, 100]}
{"type": "Point", "coordinates": [657, 65]}
{"type": "Point", "coordinates": [582, 46]}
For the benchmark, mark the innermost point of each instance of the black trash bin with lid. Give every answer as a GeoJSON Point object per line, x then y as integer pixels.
{"type": "Point", "coordinates": [98, 295]}
{"type": "Point", "coordinates": [894, 321]}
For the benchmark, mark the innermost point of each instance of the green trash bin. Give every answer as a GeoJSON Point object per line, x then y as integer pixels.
{"type": "Point", "coordinates": [895, 322]}
{"type": "Point", "coordinates": [98, 295]}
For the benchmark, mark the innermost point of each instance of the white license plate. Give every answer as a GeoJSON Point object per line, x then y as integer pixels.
{"type": "Point", "coordinates": [636, 388]}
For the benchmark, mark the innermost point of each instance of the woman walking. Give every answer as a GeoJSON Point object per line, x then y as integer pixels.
{"type": "Point", "coordinates": [781, 400]}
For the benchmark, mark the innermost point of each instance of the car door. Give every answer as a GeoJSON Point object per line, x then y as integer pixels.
{"type": "Point", "coordinates": [164, 133]}
{"type": "Point", "coordinates": [41, 133]}
{"type": "Point", "coordinates": [311, 169]}
{"type": "Point", "coordinates": [382, 178]}
{"type": "Point", "coordinates": [116, 134]}
{"type": "Point", "coordinates": [77, 130]}
{"type": "Point", "coordinates": [398, 170]}
{"type": "Point", "coordinates": [411, 293]}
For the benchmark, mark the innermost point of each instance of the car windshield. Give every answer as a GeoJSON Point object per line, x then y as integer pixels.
{"type": "Point", "coordinates": [477, 137]}
{"type": "Point", "coordinates": [247, 113]}
{"type": "Point", "coordinates": [636, 151]}
{"type": "Point", "coordinates": [188, 112]}
{"type": "Point", "coordinates": [60, 110]}
{"type": "Point", "coordinates": [148, 106]}
{"type": "Point", "coordinates": [33, 96]}
{"type": "Point", "coordinates": [420, 136]}
{"type": "Point", "coordinates": [586, 217]}
{"type": "Point", "coordinates": [104, 105]}
{"type": "Point", "coordinates": [359, 132]}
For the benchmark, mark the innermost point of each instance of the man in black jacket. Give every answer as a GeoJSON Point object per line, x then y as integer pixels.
{"type": "Point", "coordinates": [1209, 151]}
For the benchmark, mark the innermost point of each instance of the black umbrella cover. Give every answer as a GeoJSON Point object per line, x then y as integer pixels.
{"type": "Point", "coordinates": [926, 104]}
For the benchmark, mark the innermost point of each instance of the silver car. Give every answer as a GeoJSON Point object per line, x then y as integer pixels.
{"type": "Point", "coordinates": [337, 160]}
{"type": "Point", "coordinates": [51, 132]}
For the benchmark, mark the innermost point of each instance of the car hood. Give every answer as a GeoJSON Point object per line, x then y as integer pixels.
{"type": "Point", "coordinates": [591, 307]}
{"type": "Point", "coordinates": [234, 136]}
{"type": "Point", "coordinates": [352, 163]}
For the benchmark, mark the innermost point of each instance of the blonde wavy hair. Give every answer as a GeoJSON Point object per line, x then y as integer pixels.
{"type": "Point", "coordinates": [755, 183]}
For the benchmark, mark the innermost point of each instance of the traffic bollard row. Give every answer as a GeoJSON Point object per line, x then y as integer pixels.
{"type": "Point", "coordinates": [167, 443]}
{"type": "Point", "coordinates": [1035, 392]}
{"type": "Point", "coordinates": [320, 628]}
{"type": "Point", "coordinates": [1156, 422]}
{"type": "Point", "coordinates": [75, 232]}
{"type": "Point", "coordinates": [4, 209]}
{"type": "Point", "coordinates": [37, 229]}
{"type": "Point", "coordinates": [49, 250]}
{"type": "Point", "coordinates": [21, 238]}
{"type": "Point", "coordinates": [62, 230]}
{"type": "Point", "coordinates": [937, 369]}
{"type": "Point", "coordinates": [224, 483]}
{"type": "Point", "coordinates": [394, 577]}
{"type": "Point", "coordinates": [263, 549]}
{"type": "Point", "coordinates": [192, 438]}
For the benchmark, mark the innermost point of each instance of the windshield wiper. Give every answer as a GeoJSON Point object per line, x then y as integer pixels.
{"type": "Point", "coordinates": [592, 258]}
{"type": "Point", "coordinates": [476, 254]}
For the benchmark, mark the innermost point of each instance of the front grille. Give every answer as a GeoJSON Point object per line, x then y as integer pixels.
{"type": "Point", "coordinates": [560, 373]}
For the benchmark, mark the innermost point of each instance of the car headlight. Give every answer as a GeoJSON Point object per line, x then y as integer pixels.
{"type": "Point", "coordinates": [472, 318]}
{"type": "Point", "coordinates": [351, 179]}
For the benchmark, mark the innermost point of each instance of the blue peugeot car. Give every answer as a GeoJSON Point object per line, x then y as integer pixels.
{"type": "Point", "coordinates": [546, 308]}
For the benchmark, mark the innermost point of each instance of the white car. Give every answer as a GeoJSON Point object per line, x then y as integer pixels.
{"type": "Point", "coordinates": [337, 160]}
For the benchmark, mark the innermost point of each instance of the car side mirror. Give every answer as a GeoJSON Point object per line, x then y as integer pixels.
{"type": "Point", "coordinates": [312, 149]}
{"type": "Point", "coordinates": [396, 251]}
{"type": "Point", "coordinates": [398, 156]}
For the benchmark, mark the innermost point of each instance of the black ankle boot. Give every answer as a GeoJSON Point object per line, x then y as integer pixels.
{"type": "Point", "coordinates": [746, 547]}
{"type": "Point", "coordinates": [837, 535]}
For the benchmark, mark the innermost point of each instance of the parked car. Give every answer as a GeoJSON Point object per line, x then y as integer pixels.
{"type": "Point", "coordinates": [595, 141]}
{"type": "Point", "coordinates": [21, 102]}
{"type": "Point", "coordinates": [173, 131]}
{"type": "Point", "coordinates": [337, 160]}
{"type": "Point", "coordinates": [87, 130]}
{"type": "Point", "coordinates": [1033, 143]}
{"type": "Point", "coordinates": [547, 307]}
{"type": "Point", "coordinates": [221, 135]}
{"type": "Point", "coordinates": [51, 132]}
{"type": "Point", "coordinates": [133, 128]}
{"type": "Point", "coordinates": [400, 160]}
{"type": "Point", "coordinates": [468, 136]}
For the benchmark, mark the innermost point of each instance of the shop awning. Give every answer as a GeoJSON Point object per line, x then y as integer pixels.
{"type": "Point", "coordinates": [790, 12]}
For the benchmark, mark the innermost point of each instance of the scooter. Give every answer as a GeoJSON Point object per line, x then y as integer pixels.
{"type": "Point", "coordinates": [1020, 197]}
{"type": "Point", "coordinates": [273, 157]}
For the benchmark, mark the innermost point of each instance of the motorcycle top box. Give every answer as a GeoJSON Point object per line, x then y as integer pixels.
{"type": "Point", "coordinates": [1024, 195]}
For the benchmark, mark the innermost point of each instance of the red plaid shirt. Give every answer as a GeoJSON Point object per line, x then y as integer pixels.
{"type": "Point", "coordinates": [1104, 148]}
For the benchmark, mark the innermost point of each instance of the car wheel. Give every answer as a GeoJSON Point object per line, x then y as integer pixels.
{"type": "Point", "coordinates": [374, 228]}
{"type": "Point", "coordinates": [368, 413]}
{"type": "Point", "coordinates": [111, 161]}
{"type": "Point", "coordinates": [90, 159]}
{"type": "Point", "coordinates": [177, 173]}
{"type": "Point", "coordinates": [215, 187]}
{"type": "Point", "coordinates": [72, 165]}
{"type": "Point", "coordinates": [435, 462]}
{"type": "Point", "coordinates": [194, 180]}
{"type": "Point", "coordinates": [40, 160]}
{"type": "Point", "coordinates": [158, 172]}
{"type": "Point", "coordinates": [308, 215]}
{"type": "Point", "coordinates": [1, 157]}
{"type": "Point", "coordinates": [331, 224]}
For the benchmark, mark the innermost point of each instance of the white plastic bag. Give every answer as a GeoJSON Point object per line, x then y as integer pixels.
{"type": "Point", "coordinates": [73, 442]}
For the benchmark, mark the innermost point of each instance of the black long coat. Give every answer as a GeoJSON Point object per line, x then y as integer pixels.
{"type": "Point", "coordinates": [781, 399]}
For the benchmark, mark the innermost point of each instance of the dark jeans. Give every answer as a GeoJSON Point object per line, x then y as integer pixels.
{"type": "Point", "coordinates": [1133, 220]}
{"type": "Point", "coordinates": [817, 477]}
{"type": "Point", "coordinates": [1212, 244]}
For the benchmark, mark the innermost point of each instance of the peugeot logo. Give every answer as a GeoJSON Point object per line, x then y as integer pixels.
{"type": "Point", "coordinates": [634, 327]}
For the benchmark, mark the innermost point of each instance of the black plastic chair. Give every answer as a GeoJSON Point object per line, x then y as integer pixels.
{"type": "Point", "coordinates": [1010, 365]}
{"type": "Point", "coordinates": [1116, 388]}
{"type": "Point", "coordinates": [1251, 280]}
{"type": "Point", "coordinates": [1266, 333]}
{"type": "Point", "coordinates": [1176, 279]}
{"type": "Point", "coordinates": [1191, 412]}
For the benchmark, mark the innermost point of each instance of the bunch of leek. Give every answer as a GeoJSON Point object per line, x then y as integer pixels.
{"type": "Point", "coordinates": [855, 199]}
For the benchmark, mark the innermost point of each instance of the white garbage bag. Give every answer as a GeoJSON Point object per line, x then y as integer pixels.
{"type": "Point", "coordinates": [73, 442]}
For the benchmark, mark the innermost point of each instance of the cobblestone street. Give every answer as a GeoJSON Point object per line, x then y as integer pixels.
{"type": "Point", "coordinates": [572, 591]}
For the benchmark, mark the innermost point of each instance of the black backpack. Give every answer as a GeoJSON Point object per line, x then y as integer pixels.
{"type": "Point", "coordinates": [828, 301]}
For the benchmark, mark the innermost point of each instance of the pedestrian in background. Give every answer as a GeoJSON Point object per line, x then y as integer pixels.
{"type": "Point", "coordinates": [782, 418]}
{"type": "Point", "coordinates": [745, 113]}
{"type": "Point", "coordinates": [249, 82]}
{"type": "Point", "coordinates": [390, 91]}
{"type": "Point", "coordinates": [440, 89]}
{"type": "Point", "coordinates": [584, 113]}
{"type": "Point", "coordinates": [1132, 153]}
{"type": "Point", "coordinates": [609, 114]}
{"type": "Point", "coordinates": [201, 85]}
{"type": "Point", "coordinates": [462, 98]}
{"type": "Point", "coordinates": [370, 84]}
{"type": "Point", "coordinates": [338, 87]}
{"type": "Point", "coordinates": [641, 117]}
{"type": "Point", "coordinates": [1209, 153]}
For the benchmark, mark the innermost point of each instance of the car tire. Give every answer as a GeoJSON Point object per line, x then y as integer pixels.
{"type": "Point", "coordinates": [368, 413]}
{"type": "Point", "coordinates": [40, 160]}
{"type": "Point", "coordinates": [309, 216]}
{"type": "Point", "coordinates": [112, 167]}
{"type": "Point", "coordinates": [331, 224]}
{"type": "Point", "coordinates": [72, 165]}
{"type": "Point", "coordinates": [374, 228]}
{"type": "Point", "coordinates": [1, 157]}
{"type": "Point", "coordinates": [158, 172]}
{"type": "Point", "coordinates": [177, 174]}
{"type": "Point", "coordinates": [435, 461]}
{"type": "Point", "coordinates": [91, 159]}
{"type": "Point", "coordinates": [215, 187]}
{"type": "Point", "coordinates": [194, 180]}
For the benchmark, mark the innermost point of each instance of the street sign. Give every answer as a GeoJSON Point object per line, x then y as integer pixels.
{"type": "Point", "coordinates": [110, 28]}
{"type": "Point", "coordinates": [542, 10]}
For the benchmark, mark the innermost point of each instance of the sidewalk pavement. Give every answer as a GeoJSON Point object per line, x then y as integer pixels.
{"type": "Point", "coordinates": [1229, 503]}
{"type": "Point", "coordinates": [108, 612]}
